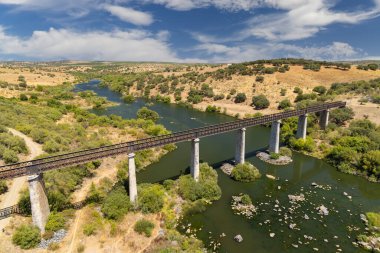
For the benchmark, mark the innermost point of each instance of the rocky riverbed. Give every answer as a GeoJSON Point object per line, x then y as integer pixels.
{"type": "Point", "coordinates": [282, 160]}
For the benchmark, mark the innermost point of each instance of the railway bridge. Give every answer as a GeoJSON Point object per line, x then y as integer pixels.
{"type": "Point", "coordinates": [34, 169]}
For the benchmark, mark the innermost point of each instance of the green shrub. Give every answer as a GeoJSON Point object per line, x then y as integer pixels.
{"type": "Point", "coordinates": [23, 97]}
{"type": "Point", "coordinates": [373, 219]}
{"type": "Point", "coordinates": [339, 154]}
{"type": "Point", "coordinates": [320, 89]}
{"type": "Point", "coordinates": [260, 102]}
{"type": "Point", "coordinates": [151, 198]}
{"type": "Point", "coordinates": [260, 79]}
{"type": "Point", "coordinates": [129, 99]}
{"type": "Point", "coordinates": [10, 156]}
{"type": "Point", "coordinates": [284, 151]}
{"type": "Point", "coordinates": [370, 162]}
{"type": "Point", "coordinates": [55, 222]}
{"type": "Point", "coordinates": [307, 144]}
{"type": "Point", "coordinates": [3, 187]}
{"type": "Point", "coordinates": [245, 172]}
{"type": "Point", "coordinates": [298, 90]}
{"type": "Point", "coordinates": [144, 226]}
{"type": "Point", "coordinates": [284, 104]}
{"type": "Point", "coordinates": [207, 187]}
{"type": "Point", "coordinates": [90, 228]}
{"type": "Point", "coordinates": [26, 236]}
{"type": "Point", "coordinates": [341, 115]}
{"type": "Point", "coordinates": [116, 204]}
{"type": "Point", "coordinates": [147, 114]}
{"type": "Point", "coordinates": [246, 200]}
{"type": "Point", "coordinates": [195, 207]}
{"type": "Point", "coordinates": [274, 156]}
{"type": "Point", "coordinates": [240, 98]}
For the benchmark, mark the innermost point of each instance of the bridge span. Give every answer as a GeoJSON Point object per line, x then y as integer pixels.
{"type": "Point", "coordinates": [34, 168]}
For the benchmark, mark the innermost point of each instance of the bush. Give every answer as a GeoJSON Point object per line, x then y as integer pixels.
{"type": "Point", "coordinates": [151, 198]}
{"type": "Point", "coordinates": [274, 156]}
{"type": "Point", "coordinates": [23, 97]}
{"type": "Point", "coordinates": [339, 154]}
{"type": "Point", "coordinates": [240, 98]}
{"type": "Point", "coordinates": [212, 108]}
{"type": "Point", "coordinates": [90, 228]}
{"type": "Point", "coordinates": [245, 172]}
{"type": "Point", "coordinates": [55, 222]}
{"type": "Point", "coordinates": [320, 89]}
{"type": "Point", "coordinates": [341, 115]}
{"type": "Point", "coordinates": [144, 226]}
{"type": "Point", "coordinates": [26, 236]}
{"type": "Point", "coordinates": [260, 102]}
{"type": "Point", "coordinates": [3, 187]}
{"type": "Point", "coordinates": [129, 98]}
{"type": "Point", "coordinates": [298, 90]}
{"type": "Point", "coordinates": [260, 79]}
{"type": "Point", "coordinates": [284, 151]}
{"type": "Point", "coordinates": [207, 187]}
{"type": "Point", "coordinates": [370, 162]}
{"type": "Point", "coordinates": [10, 156]}
{"type": "Point", "coordinates": [116, 204]}
{"type": "Point", "coordinates": [284, 104]}
{"type": "Point", "coordinates": [307, 144]}
{"type": "Point", "coordinates": [147, 114]}
{"type": "Point", "coordinates": [246, 200]}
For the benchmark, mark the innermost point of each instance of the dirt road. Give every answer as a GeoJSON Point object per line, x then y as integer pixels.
{"type": "Point", "coordinates": [11, 197]}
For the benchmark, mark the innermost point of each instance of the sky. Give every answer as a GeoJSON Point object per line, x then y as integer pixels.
{"type": "Point", "coordinates": [211, 31]}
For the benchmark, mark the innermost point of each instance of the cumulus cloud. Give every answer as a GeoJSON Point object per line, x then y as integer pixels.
{"type": "Point", "coordinates": [129, 15]}
{"type": "Point", "coordinates": [117, 45]}
{"type": "Point", "coordinates": [302, 19]}
{"type": "Point", "coordinates": [231, 5]}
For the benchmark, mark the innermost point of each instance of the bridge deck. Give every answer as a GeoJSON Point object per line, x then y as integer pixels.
{"type": "Point", "coordinates": [79, 157]}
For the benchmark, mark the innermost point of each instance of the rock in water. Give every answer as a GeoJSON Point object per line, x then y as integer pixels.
{"type": "Point", "coordinates": [272, 234]}
{"type": "Point", "coordinates": [238, 238]}
{"type": "Point", "coordinates": [323, 210]}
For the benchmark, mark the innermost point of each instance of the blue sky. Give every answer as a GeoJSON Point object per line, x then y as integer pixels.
{"type": "Point", "coordinates": [188, 30]}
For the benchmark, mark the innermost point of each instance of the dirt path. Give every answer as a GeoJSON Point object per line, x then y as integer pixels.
{"type": "Point", "coordinates": [11, 197]}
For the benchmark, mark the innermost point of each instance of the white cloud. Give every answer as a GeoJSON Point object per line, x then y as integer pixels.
{"type": "Point", "coordinates": [247, 52]}
{"type": "Point", "coordinates": [302, 19]}
{"type": "Point", "coordinates": [117, 45]}
{"type": "Point", "coordinates": [231, 5]}
{"type": "Point", "coordinates": [129, 15]}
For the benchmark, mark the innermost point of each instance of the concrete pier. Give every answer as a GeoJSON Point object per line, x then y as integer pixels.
{"type": "Point", "coordinates": [39, 201]}
{"type": "Point", "coordinates": [132, 178]}
{"type": "Point", "coordinates": [194, 163]}
{"type": "Point", "coordinates": [240, 146]}
{"type": "Point", "coordinates": [324, 119]}
{"type": "Point", "coordinates": [302, 127]}
{"type": "Point", "coordinates": [274, 142]}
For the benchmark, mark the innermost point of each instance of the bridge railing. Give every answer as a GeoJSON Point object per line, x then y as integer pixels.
{"type": "Point", "coordinates": [64, 160]}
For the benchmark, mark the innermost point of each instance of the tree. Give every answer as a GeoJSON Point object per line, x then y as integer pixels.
{"type": "Point", "coordinates": [260, 79]}
{"type": "Point", "coordinates": [129, 98]}
{"type": "Point", "coordinates": [147, 114]}
{"type": "Point", "coordinates": [240, 98]}
{"type": "Point", "coordinates": [373, 66]}
{"type": "Point", "coordinates": [260, 102]}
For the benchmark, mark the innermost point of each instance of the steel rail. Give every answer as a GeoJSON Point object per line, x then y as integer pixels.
{"type": "Point", "coordinates": [80, 157]}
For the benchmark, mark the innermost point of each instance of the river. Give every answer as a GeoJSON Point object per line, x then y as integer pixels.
{"type": "Point", "coordinates": [327, 234]}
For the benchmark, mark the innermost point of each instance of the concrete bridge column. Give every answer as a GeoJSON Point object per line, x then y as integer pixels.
{"type": "Point", "coordinates": [39, 201]}
{"type": "Point", "coordinates": [324, 119]}
{"type": "Point", "coordinates": [240, 146]}
{"type": "Point", "coordinates": [194, 163]}
{"type": "Point", "coordinates": [274, 142]}
{"type": "Point", "coordinates": [132, 178]}
{"type": "Point", "coordinates": [302, 127]}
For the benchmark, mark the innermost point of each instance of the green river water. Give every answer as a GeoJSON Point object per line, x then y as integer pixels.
{"type": "Point", "coordinates": [327, 234]}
